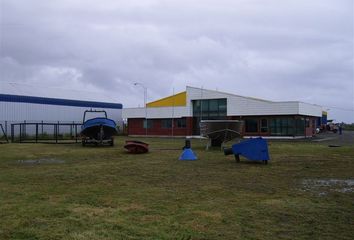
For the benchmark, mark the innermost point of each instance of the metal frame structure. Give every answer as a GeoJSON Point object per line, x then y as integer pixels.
{"type": "Point", "coordinates": [4, 134]}
{"type": "Point", "coordinates": [220, 132]}
{"type": "Point", "coordinates": [38, 135]}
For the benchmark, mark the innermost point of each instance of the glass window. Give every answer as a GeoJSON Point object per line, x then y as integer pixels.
{"type": "Point", "coordinates": [291, 125]}
{"type": "Point", "coordinates": [222, 107]}
{"type": "Point", "coordinates": [205, 105]}
{"type": "Point", "coordinates": [149, 123]}
{"type": "Point", "coordinates": [282, 127]}
{"type": "Point", "coordinates": [181, 123]}
{"type": "Point", "coordinates": [251, 125]}
{"type": "Point", "coordinates": [214, 108]}
{"type": "Point", "coordinates": [264, 125]}
{"type": "Point", "coordinates": [300, 126]}
{"type": "Point", "coordinates": [275, 127]}
{"type": "Point", "coordinates": [166, 123]}
{"type": "Point", "coordinates": [210, 108]}
{"type": "Point", "coordinates": [196, 108]}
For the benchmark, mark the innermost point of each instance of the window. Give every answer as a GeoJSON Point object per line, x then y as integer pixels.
{"type": "Point", "coordinates": [222, 107]}
{"type": "Point", "coordinates": [251, 125]}
{"type": "Point", "coordinates": [181, 123]}
{"type": "Point", "coordinates": [166, 123]}
{"type": "Point", "coordinates": [196, 108]}
{"type": "Point", "coordinates": [149, 123]}
{"type": "Point", "coordinates": [264, 125]}
{"type": "Point", "coordinates": [210, 108]}
{"type": "Point", "coordinates": [300, 126]}
{"type": "Point", "coordinates": [282, 127]}
{"type": "Point", "coordinates": [307, 122]}
{"type": "Point", "coordinates": [213, 108]}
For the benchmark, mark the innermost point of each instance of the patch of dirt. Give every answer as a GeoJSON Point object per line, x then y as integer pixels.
{"type": "Point", "coordinates": [41, 161]}
{"type": "Point", "coordinates": [212, 215]}
{"type": "Point", "coordinates": [133, 207]}
{"type": "Point", "coordinates": [92, 211]}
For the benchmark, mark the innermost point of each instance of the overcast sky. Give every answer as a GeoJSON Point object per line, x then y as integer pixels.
{"type": "Point", "coordinates": [273, 49]}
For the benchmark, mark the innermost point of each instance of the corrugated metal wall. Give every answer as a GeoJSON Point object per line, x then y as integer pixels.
{"type": "Point", "coordinates": [14, 112]}
{"type": "Point", "coordinates": [247, 106]}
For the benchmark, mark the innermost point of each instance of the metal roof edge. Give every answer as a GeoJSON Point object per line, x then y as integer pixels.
{"type": "Point", "coordinates": [231, 94]}
{"type": "Point", "coordinates": [58, 101]}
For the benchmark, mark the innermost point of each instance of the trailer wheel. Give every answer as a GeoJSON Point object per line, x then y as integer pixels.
{"type": "Point", "coordinates": [237, 158]}
{"type": "Point", "coordinates": [111, 143]}
{"type": "Point", "coordinates": [83, 143]}
{"type": "Point", "coordinates": [265, 162]}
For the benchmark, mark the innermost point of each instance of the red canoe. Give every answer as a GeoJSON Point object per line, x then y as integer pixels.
{"type": "Point", "coordinates": [136, 147]}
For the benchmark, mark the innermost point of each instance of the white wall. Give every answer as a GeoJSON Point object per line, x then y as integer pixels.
{"type": "Point", "coordinates": [13, 112]}
{"type": "Point", "coordinates": [310, 109]}
{"type": "Point", "coordinates": [156, 112]}
{"type": "Point", "coordinates": [247, 106]}
{"type": "Point", "coordinates": [236, 106]}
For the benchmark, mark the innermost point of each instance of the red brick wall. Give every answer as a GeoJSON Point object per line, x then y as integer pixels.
{"type": "Point", "coordinates": [135, 127]}
{"type": "Point", "coordinates": [311, 130]}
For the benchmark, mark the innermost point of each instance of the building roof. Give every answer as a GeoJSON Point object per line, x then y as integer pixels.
{"type": "Point", "coordinates": [20, 89]}
{"type": "Point", "coordinates": [178, 99]}
{"type": "Point", "coordinates": [230, 94]}
{"type": "Point", "coordinates": [15, 92]}
{"type": "Point", "coordinates": [236, 106]}
{"type": "Point", "coordinates": [57, 101]}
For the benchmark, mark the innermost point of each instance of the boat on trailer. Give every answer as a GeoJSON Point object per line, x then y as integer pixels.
{"type": "Point", "coordinates": [99, 130]}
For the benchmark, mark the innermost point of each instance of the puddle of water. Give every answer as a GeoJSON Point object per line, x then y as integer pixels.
{"type": "Point", "coordinates": [41, 161]}
{"type": "Point", "coordinates": [324, 186]}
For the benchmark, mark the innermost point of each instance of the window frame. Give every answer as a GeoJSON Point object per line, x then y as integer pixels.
{"type": "Point", "coordinates": [247, 126]}
{"type": "Point", "coordinates": [181, 123]}
{"type": "Point", "coordinates": [166, 123]}
{"type": "Point", "coordinates": [149, 123]}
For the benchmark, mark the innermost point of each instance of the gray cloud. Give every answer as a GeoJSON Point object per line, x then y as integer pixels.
{"type": "Point", "coordinates": [277, 50]}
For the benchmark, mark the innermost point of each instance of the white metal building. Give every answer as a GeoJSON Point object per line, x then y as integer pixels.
{"type": "Point", "coordinates": [22, 103]}
{"type": "Point", "coordinates": [183, 112]}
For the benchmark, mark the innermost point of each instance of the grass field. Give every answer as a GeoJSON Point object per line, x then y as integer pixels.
{"type": "Point", "coordinates": [75, 192]}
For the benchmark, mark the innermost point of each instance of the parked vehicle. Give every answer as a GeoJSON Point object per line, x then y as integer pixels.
{"type": "Point", "coordinates": [329, 127]}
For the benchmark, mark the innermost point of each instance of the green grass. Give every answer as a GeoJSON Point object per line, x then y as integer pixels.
{"type": "Point", "coordinates": [105, 193]}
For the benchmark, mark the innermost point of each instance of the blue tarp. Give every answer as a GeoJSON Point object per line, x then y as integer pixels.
{"type": "Point", "coordinates": [255, 149]}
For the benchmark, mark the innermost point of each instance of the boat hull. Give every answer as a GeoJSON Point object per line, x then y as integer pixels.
{"type": "Point", "coordinates": [99, 129]}
{"type": "Point", "coordinates": [136, 147]}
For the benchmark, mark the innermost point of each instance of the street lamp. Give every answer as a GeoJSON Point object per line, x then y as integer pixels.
{"type": "Point", "coordinates": [145, 98]}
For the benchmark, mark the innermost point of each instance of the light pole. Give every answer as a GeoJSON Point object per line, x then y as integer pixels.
{"type": "Point", "coordinates": [145, 98]}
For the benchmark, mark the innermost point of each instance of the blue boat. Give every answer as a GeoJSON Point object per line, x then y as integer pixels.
{"type": "Point", "coordinates": [99, 130]}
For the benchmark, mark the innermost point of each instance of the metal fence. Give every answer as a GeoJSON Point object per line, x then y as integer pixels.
{"type": "Point", "coordinates": [3, 135]}
{"type": "Point", "coordinates": [41, 132]}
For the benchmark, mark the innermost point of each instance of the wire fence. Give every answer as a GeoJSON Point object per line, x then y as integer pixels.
{"type": "Point", "coordinates": [42, 132]}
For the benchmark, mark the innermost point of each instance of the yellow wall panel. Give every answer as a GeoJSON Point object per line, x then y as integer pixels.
{"type": "Point", "coordinates": [179, 99]}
